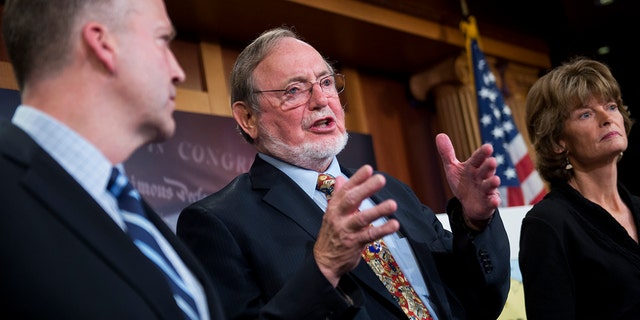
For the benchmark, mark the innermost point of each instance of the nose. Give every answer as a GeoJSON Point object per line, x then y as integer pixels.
{"type": "Point", "coordinates": [605, 116]}
{"type": "Point", "coordinates": [178, 74]}
{"type": "Point", "coordinates": [317, 96]}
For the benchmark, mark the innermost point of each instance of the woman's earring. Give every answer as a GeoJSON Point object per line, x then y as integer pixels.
{"type": "Point", "coordinates": [568, 166]}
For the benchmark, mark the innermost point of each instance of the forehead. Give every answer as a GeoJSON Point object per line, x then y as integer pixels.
{"type": "Point", "coordinates": [591, 101]}
{"type": "Point", "coordinates": [290, 59]}
{"type": "Point", "coordinates": [151, 12]}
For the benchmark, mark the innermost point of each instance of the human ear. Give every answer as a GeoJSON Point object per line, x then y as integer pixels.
{"type": "Point", "coordinates": [99, 41]}
{"type": "Point", "coordinates": [246, 118]}
{"type": "Point", "coordinates": [561, 146]}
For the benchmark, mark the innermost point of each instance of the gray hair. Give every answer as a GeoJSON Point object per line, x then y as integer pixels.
{"type": "Point", "coordinates": [241, 80]}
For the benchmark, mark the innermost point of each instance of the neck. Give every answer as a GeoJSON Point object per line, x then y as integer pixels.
{"type": "Point", "coordinates": [599, 186]}
{"type": "Point", "coordinates": [88, 112]}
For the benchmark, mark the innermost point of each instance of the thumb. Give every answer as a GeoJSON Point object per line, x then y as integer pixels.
{"type": "Point", "coordinates": [445, 148]}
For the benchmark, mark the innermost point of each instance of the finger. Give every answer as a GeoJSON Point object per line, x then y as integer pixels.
{"type": "Point", "coordinates": [343, 186]}
{"type": "Point", "coordinates": [349, 196]}
{"type": "Point", "coordinates": [445, 148]}
{"type": "Point", "coordinates": [364, 218]}
{"type": "Point", "coordinates": [488, 168]}
{"type": "Point", "coordinates": [375, 233]}
{"type": "Point", "coordinates": [479, 156]}
{"type": "Point", "coordinates": [491, 183]}
{"type": "Point", "coordinates": [494, 201]}
{"type": "Point", "coordinates": [361, 175]}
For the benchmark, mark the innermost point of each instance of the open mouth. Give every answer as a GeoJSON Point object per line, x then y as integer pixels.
{"type": "Point", "coordinates": [323, 123]}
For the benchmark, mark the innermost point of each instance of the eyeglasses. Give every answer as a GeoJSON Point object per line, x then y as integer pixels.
{"type": "Point", "coordinates": [298, 93]}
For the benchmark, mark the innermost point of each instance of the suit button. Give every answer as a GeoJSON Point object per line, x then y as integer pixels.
{"type": "Point", "coordinates": [486, 261]}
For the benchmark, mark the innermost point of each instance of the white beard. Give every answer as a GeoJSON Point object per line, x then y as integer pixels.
{"type": "Point", "coordinates": [315, 156]}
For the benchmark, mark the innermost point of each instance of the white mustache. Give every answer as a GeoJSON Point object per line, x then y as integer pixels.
{"type": "Point", "coordinates": [315, 116]}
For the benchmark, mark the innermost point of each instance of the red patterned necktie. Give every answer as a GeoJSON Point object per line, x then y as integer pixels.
{"type": "Point", "coordinates": [381, 261]}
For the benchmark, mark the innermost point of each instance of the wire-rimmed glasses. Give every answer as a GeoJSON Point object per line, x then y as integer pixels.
{"type": "Point", "coordinates": [298, 93]}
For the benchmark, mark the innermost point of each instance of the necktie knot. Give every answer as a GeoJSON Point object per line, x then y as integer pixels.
{"type": "Point", "coordinates": [117, 182]}
{"type": "Point", "coordinates": [128, 198]}
{"type": "Point", "coordinates": [325, 184]}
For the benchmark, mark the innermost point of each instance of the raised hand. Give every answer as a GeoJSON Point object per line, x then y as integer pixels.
{"type": "Point", "coordinates": [345, 230]}
{"type": "Point", "coordinates": [474, 182]}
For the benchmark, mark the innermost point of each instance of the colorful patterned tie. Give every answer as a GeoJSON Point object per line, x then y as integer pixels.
{"type": "Point", "coordinates": [141, 232]}
{"type": "Point", "coordinates": [381, 261]}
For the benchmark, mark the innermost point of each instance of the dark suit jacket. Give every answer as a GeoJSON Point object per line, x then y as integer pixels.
{"type": "Point", "coordinates": [63, 257]}
{"type": "Point", "coordinates": [577, 261]}
{"type": "Point", "coordinates": [256, 237]}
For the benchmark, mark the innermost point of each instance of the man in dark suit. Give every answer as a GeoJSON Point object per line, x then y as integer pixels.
{"type": "Point", "coordinates": [97, 81]}
{"type": "Point", "coordinates": [277, 248]}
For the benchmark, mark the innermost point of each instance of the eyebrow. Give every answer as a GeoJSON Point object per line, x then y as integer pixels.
{"type": "Point", "coordinates": [303, 79]}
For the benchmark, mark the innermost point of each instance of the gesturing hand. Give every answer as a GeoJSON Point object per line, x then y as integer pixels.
{"type": "Point", "coordinates": [473, 182]}
{"type": "Point", "coordinates": [345, 231]}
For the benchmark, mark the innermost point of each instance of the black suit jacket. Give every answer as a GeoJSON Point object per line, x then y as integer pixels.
{"type": "Point", "coordinates": [256, 236]}
{"type": "Point", "coordinates": [577, 261]}
{"type": "Point", "coordinates": [63, 257]}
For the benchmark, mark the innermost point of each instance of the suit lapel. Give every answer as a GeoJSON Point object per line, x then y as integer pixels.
{"type": "Point", "coordinates": [286, 196]}
{"type": "Point", "coordinates": [51, 185]}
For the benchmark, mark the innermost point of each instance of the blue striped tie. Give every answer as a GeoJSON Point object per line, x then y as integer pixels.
{"type": "Point", "coordinates": [141, 231]}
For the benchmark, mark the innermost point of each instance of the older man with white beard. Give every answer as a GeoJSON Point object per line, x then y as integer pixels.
{"type": "Point", "coordinates": [277, 248]}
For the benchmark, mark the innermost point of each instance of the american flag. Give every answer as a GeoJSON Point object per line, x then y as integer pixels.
{"type": "Point", "coordinates": [520, 183]}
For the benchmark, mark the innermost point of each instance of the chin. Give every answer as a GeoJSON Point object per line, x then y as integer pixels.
{"type": "Point", "coordinates": [165, 132]}
{"type": "Point", "coordinates": [331, 148]}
